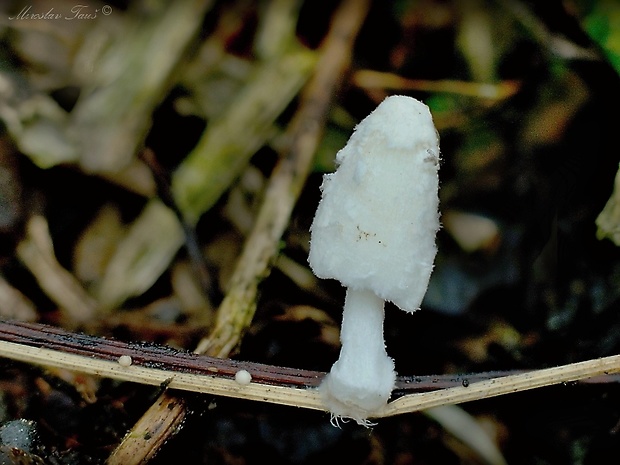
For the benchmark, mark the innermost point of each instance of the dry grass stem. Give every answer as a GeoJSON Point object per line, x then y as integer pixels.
{"type": "Point", "coordinates": [308, 398]}
{"type": "Point", "coordinates": [368, 79]}
{"type": "Point", "coordinates": [505, 385]}
{"type": "Point", "coordinates": [36, 252]}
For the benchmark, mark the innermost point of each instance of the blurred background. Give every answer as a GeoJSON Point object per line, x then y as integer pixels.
{"type": "Point", "coordinates": [136, 142]}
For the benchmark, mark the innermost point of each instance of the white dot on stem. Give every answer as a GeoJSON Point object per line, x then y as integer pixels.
{"type": "Point", "coordinates": [243, 377]}
{"type": "Point", "coordinates": [125, 360]}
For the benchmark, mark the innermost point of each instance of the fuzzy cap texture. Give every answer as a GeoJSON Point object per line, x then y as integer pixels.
{"type": "Point", "coordinates": [376, 223]}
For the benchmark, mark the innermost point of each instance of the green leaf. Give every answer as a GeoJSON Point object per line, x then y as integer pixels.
{"type": "Point", "coordinates": [602, 23]}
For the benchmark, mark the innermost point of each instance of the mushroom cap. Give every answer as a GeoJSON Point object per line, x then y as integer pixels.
{"type": "Point", "coordinates": [376, 223]}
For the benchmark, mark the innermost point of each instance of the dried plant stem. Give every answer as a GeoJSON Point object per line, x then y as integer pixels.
{"type": "Point", "coordinates": [504, 385]}
{"type": "Point", "coordinates": [36, 252]}
{"type": "Point", "coordinates": [207, 384]}
{"type": "Point", "coordinates": [224, 384]}
{"type": "Point", "coordinates": [286, 183]}
{"type": "Point", "coordinates": [369, 79]}
{"type": "Point", "coordinates": [261, 248]}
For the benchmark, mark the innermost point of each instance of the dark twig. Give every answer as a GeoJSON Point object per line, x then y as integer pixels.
{"type": "Point", "coordinates": [174, 361]}
{"type": "Point", "coordinates": [196, 258]}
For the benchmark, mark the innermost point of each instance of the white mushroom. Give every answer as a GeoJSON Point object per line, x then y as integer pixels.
{"type": "Point", "coordinates": [374, 230]}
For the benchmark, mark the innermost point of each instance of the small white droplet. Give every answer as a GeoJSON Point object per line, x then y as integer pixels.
{"type": "Point", "coordinates": [125, 360]}
{"type": "Point", "coordinates": [243, 377]}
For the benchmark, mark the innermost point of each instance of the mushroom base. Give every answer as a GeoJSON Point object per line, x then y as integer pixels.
{"type": "Point", "coordinates": [361, 381]}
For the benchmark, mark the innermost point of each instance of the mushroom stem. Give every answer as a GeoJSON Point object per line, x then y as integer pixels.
{"type": "Point", "coordinates": [360, 382]}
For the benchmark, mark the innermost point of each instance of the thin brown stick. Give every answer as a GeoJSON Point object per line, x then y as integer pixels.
{"type": "Point", "coordinates": [506, 385]}
{"type": "Point", "coordinates": [25, 339]}
{"type": "Point", "coordinates": [369, 79]}
{"type": "Point", "coordinates": [19, 340]}
{"type": "Point", "coordinates": [153, 365]}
